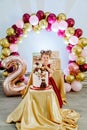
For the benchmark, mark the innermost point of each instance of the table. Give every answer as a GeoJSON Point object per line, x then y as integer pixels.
{"type": "Point", "coordinates": [39, 110]}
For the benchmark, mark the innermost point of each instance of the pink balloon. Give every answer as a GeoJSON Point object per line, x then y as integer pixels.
{"type": "Point", "coordinates": [72, 57]}
{"type": "Point", "coordinates": [67, 87]}
{"type": "Point", "coordinates": [51, 18]}
{"type": "Point", "coordinates": [73, 40]}
{"type": "Point", "coordinates": [63, 25]}
{"type": "Point", "coordinates": [48, 27]}
{"type": "Point", "coordinates": [76, 86]}
{"type": "Point", "coordinates": [33, 20]}
{"type": "Point", "coordinates": [73, 68]}
{"type": "Point", "coordinates": [55, 26]}
{"type": "Point", "coordinates": [61, 33]}
{"type": "Point", "coordinates": [84, 53]}
{"type": "Point", "coordinates": [69, 48]}
{"type": "Point", "coordinates": [20, 24]}
{"type": "Point", "coordinates": [13, 47]}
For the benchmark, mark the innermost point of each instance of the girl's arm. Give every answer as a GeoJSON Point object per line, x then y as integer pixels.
{"type": "Point", "coordinates": [49, 70]}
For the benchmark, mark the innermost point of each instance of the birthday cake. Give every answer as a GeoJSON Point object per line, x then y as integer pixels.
{"type": "Point", "coordinates": [40, 76]}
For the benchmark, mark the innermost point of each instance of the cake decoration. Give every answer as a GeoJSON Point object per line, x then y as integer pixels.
{"type": "Point", "coordinates": [40, 76]}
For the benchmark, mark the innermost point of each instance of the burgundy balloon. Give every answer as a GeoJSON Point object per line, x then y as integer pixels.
{"type": "Point", "coordinates": [11, 69]}
{"type": "Point", "coordinates": [69, 48]}
{"type": "Point", "coordinates": [26, 18]}
{"type": "Point", "coordinates": [21, 79]}
{"type": "Point", "coordinates": [19, 32]}
{"type": "Point", "coordinates": [14, 27]}
{"type": "Point", "coordinates": [0, 64]}
{"type": "Point", "coordinates": [83, 68]}
{"type": "Point", "coordinates": [78, 32]}
{"type": "Point", "coordinates": [51, 18]}
{"type": "Point", "coordinates": [15, 53]}
{"type": "Point", "coordinates": [40, 14]}
{"type": "Point", "coordinates": [70, 22]}
{"type": "Point", "coordinates": [1, 67]}
{"type": "Point", "coordinates": [12, 39]}
{"type": "Point", "coordinates": [64, 78]}
{"type": "Point", "coordinates": [71, 62]}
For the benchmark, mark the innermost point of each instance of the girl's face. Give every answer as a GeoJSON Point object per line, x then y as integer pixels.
{"type": "Point", "coordinates": [45, 59]}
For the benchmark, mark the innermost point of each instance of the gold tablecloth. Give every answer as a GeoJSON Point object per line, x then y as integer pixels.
{"type": "Point", "coordinates": [59, 80]}
{"type": "Point", "coordinates": [39, 110]}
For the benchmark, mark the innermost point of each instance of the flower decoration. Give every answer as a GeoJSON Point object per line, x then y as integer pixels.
{"type": "Point", "coordinates": [76, 44]}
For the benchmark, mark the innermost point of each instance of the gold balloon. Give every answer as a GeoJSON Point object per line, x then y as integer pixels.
{"type": "Point", "coordinates": [69, 78]}
{"type": "Point", "coordinates": [4, 42]}
{"type": "Point", "coordinates": [80, 60]}
{"type": "Point", "coordinates": [46, 14]}
{"type": "Point", "coordinates": [5, 73]}
{"type": "Point", "coordinates": [61, 16]}
{"type": "Point", "coordinates": [37, 29]}
{"type": "Point", "coordinates": [76, 50]}
{"type": "Point", "coordinates": [1, 41]}
{"type": "Point", "coordinates": [2, 57]}
{"type": "Point", "coordinates": [20, 39]}
{"type": "Point", "coordinates": [10, 31]}
{"type": "Point", "coordinates": [82, 42]}
{"type": "Point", "coordinates": [27, 27]}
{"type": "Point", "coordinates": [43, 24]}
{"type": "Point", "coordinates": [80, 76]}
{"type": "Point", "coordinates": [66, 40]}
{"type": "Point", "coordinates": [25, 32]}
{"type": "Point", "coordinates": [70, 31]}
{"type": "Point", "coordinates": [6, 52]}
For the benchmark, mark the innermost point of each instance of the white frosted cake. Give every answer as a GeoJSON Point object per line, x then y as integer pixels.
{"type": "Point", "coordinates": [40, 76]}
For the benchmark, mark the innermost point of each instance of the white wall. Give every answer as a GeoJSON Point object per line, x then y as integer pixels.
{"type": "Point", "coordinates": [12, 11]}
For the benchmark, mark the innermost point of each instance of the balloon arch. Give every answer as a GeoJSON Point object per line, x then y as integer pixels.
{"type": "Point", "coordinates": [76, 45]}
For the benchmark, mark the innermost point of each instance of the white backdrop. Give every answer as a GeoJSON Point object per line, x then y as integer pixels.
{"type": "Point", "coordinates": [12, 10]}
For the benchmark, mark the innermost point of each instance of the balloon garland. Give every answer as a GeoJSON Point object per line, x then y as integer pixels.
{"type": "Point", "coordinates": [76, 45]}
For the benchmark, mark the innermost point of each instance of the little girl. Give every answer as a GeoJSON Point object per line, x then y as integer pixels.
{"type": "Point", "coordinates": [45, 57]}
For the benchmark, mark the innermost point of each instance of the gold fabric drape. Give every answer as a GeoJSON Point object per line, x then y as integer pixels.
{"type": "Point", "coordinates": [39, 110]}
{"type": "Point", "coordinates": [59, 80]}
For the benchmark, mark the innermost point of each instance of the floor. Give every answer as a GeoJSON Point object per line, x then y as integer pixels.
{"type": "Point", "coordinates": [76, 100]}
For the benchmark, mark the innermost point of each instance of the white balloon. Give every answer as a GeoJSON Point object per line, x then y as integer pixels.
{"type": "Point", "coordinates": [33, 20]}
{"type": "Point", "coordinates": [67, 87]}
{"type": "Point", "coordinates": [76, 85]}
{"type": "Point", "coordinates": [73, 40]}
{"type": "Point", "coordinates": [63, 25]}
{"type": "Point", "coordinates": [55, 26]}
